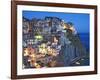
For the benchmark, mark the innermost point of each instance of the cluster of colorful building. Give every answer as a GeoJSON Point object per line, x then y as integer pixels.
{"type": "Point", "coordinates": [48, 43]}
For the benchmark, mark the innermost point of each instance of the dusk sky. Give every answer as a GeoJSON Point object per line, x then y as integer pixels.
{"type": "Point", "coordinates": [80, 20]}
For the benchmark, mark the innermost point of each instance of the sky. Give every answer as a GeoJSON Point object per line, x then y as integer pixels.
{"type": "Point", "coordinates": [80, 20]}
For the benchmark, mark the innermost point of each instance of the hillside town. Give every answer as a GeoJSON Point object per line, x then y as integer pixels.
{"type": "Point", "coordinates": [51, 42]}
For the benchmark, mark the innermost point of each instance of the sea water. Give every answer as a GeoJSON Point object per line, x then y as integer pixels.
{"type": "Point", "coordinates": [85, 39]}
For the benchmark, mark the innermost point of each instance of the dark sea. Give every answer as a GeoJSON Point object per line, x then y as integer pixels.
{"type": "Point", "coordinates": [85, 39]}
